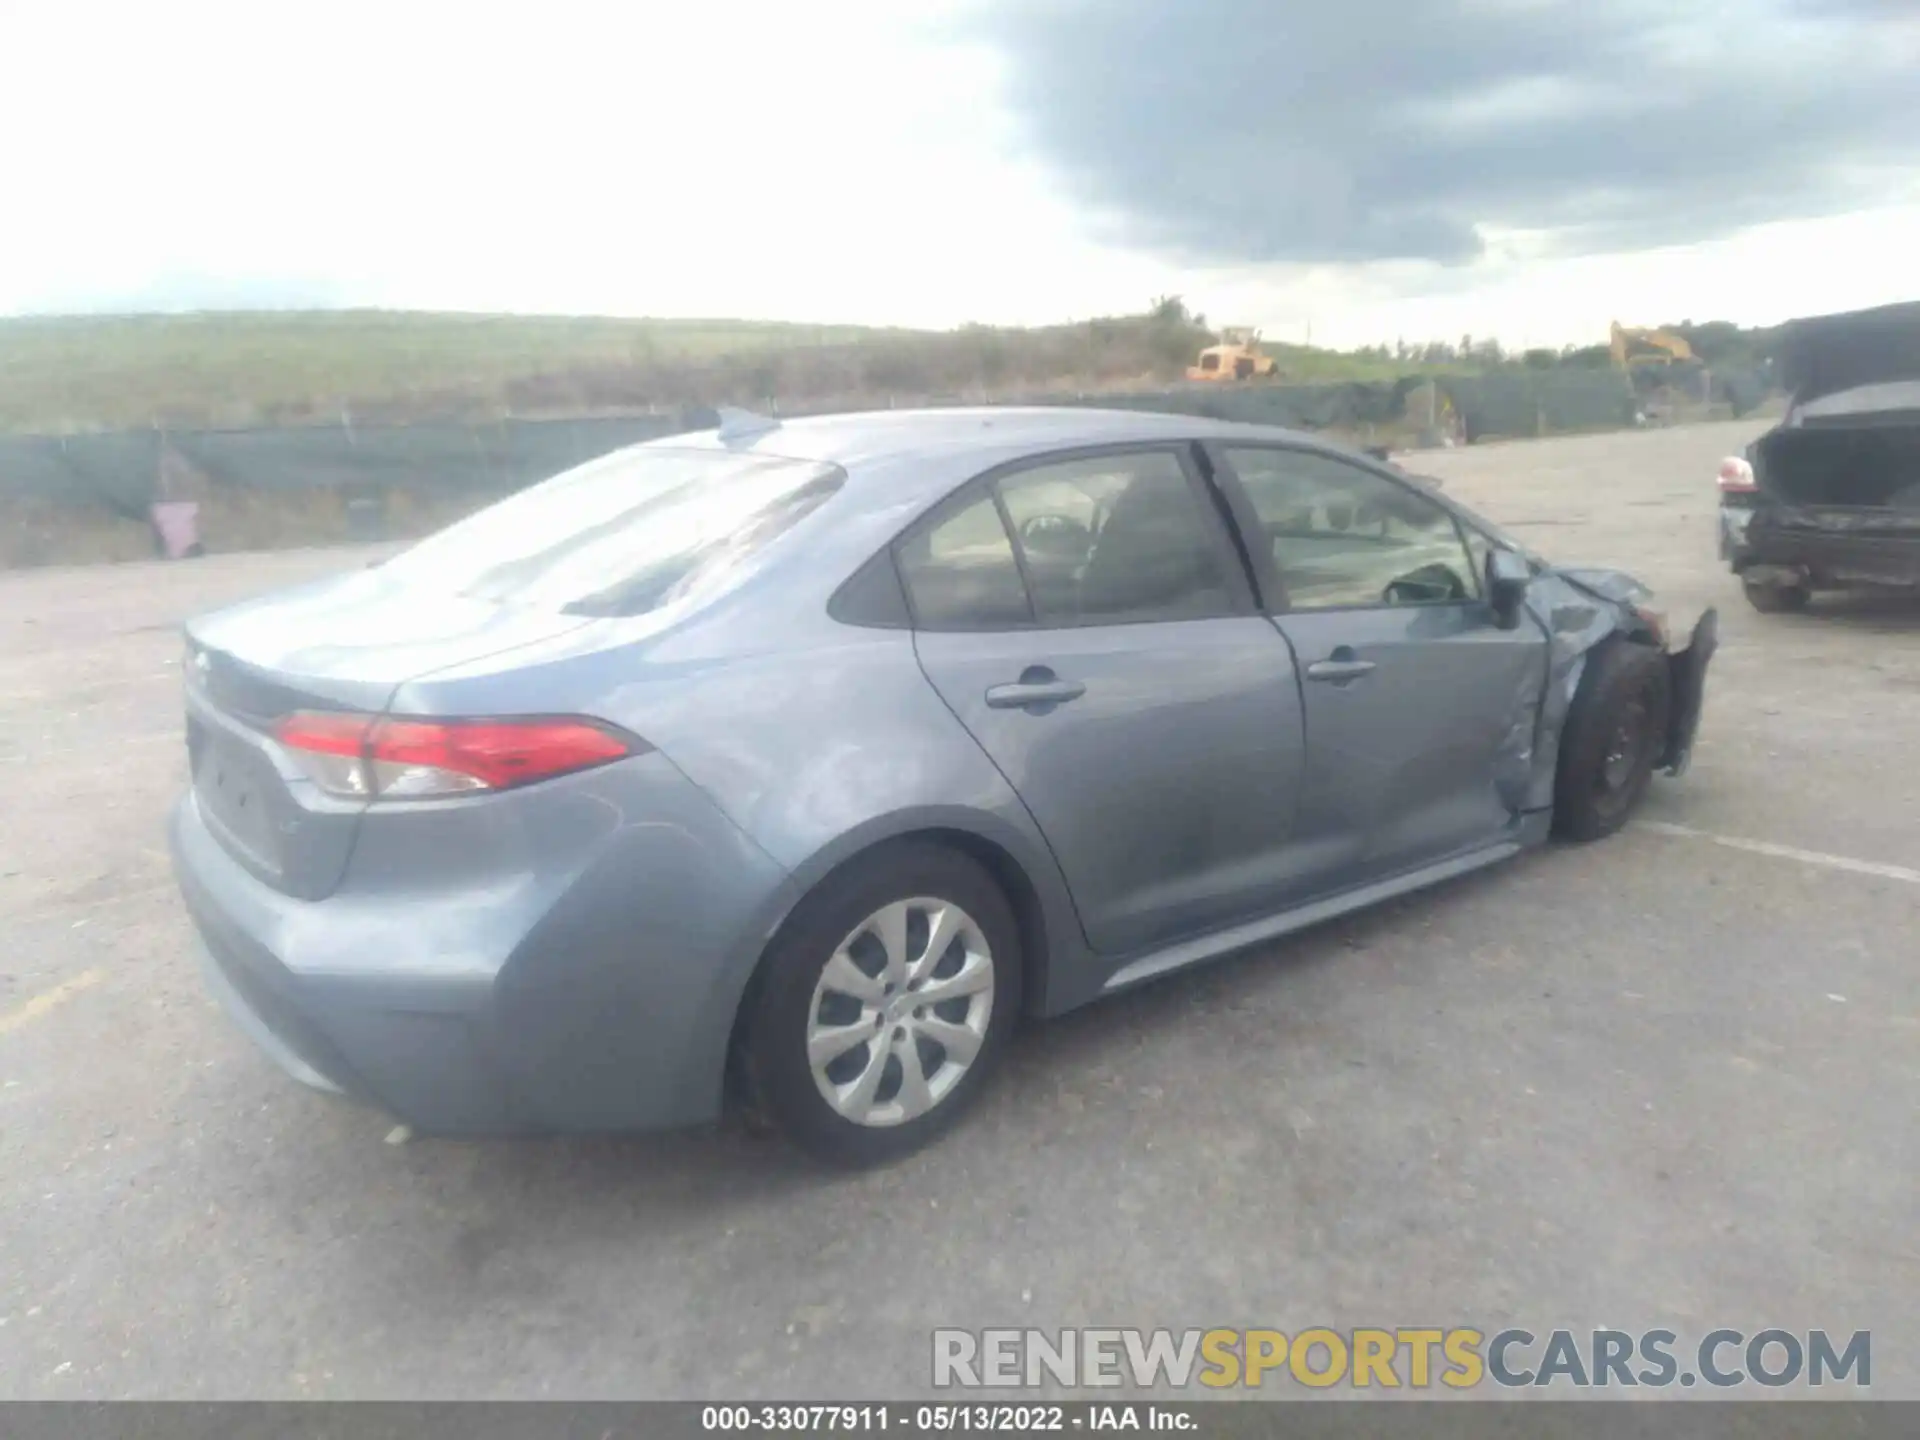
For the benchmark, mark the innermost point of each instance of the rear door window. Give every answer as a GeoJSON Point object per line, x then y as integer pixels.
{"type": "Point", "coordinates": [624, 534]}
{"type": "Point", "coordinates": [1119, 538]}
{"type": "Point", "coordinates": [960, 571]}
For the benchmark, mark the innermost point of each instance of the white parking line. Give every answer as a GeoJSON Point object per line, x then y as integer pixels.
{"type": "Point", "coordinates": [1787, 852]}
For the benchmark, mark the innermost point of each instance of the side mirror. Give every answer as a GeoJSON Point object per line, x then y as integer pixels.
{"type": "Point", "coordinates": [1507, 579]}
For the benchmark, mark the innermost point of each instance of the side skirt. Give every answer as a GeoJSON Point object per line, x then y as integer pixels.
{"type": "Point", "coordinates": [1531, 831]}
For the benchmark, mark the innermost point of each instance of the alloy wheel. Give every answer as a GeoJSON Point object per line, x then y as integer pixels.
{"type": "Point", "coordinates": [900, 1011]}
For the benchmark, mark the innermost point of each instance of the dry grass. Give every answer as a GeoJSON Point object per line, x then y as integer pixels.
{"type": "Point", "coordinates": [38, 532]}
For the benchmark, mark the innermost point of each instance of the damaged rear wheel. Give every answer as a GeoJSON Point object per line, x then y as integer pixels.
{"type": "Point", "coordinates": [1613, 739]}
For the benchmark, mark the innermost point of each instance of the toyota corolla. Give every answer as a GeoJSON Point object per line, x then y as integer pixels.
{"type": "Point", "coordinates": [790, 765]}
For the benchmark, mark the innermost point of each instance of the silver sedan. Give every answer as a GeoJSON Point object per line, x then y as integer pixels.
{"type": "Point", "coordinates": [792, 764]}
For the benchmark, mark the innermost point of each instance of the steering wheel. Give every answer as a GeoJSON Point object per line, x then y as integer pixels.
{"type": "Point", "coordinates": [1428, 583]}
{"type": "Point", "coordinates": [1060, 535]}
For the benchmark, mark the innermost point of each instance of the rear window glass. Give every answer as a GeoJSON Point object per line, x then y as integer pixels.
{"type": "Point", "coordinates": [961, 572]}
{"type": "Point", "coordinates": [621, 535]}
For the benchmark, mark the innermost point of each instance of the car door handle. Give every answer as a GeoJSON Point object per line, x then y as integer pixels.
{"type": "Point", "coordinates": [1044, 688]}
{"type": "Point", "coordinates": [1338, 670]}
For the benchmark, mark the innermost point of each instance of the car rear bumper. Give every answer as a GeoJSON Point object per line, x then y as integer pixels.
{"type": "Point", "coordinates": [606, 1004]}
{"type": "Point", "coordinates": [288, 1043]}
{"type": "Point", "coordinates": [1754, 540]}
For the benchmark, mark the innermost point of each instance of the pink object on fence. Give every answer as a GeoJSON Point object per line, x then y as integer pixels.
{"type": "Point", "coordinates": [178, 522]}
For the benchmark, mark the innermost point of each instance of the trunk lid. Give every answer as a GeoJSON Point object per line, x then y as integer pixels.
{"type": "Point", "coordinates": [1828, 354]}
{"type": "Point", "coordinates": [341, 644]}
{"type": "Point", "coordinates": [352, 640]}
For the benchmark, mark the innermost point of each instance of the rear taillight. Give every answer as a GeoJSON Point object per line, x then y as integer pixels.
{"type": "Point", "coordinates": [395, 758]}
{"type": "Point", "coordinates": [1736, 477]}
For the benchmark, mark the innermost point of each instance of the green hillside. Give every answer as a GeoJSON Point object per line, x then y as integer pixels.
{"type": "Point", "coordinates": [251, 367]}
{"type": "Point", "coordinates": [60, 374]}
{"type": "Point", "coordinates": [245, 369]}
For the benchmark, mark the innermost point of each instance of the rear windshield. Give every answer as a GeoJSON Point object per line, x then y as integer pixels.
{"type": "Point", "coordinates": [621, 535]}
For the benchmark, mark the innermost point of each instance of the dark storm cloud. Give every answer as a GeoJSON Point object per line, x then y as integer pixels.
{"type": "Point", "coordinates": [1352, 130]}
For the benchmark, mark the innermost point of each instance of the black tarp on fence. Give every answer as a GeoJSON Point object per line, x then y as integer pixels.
{"type": "Point", "coordinates": [122, 471]}
{"type": "Point", "coordinates": [125, 472]}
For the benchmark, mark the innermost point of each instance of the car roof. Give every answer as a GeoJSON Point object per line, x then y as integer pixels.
{"type": "Point", "coordinates": [935, 449]}
{"type": "Point", "coordinates": [900, 463]}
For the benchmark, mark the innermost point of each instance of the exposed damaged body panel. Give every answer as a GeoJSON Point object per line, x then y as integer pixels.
{"type": "Point", "coordinates": [1830, 497]}
{"type": "Point", "coordinates": [1582, 609]}
{"type": "Point", "coordinates": [1834, 547]}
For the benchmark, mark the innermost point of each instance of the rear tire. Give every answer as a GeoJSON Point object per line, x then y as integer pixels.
{"type": "Point", "coordinates": [1613, 738]}
{"type": "Point", "coordinates": [857, 956]}
{"type": "Point", "coordinates": [1770, 599]}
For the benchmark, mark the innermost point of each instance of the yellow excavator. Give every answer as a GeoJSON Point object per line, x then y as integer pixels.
{"type": "Point", "coordinates": [1237, 357]}
{"type": "Point", "coordinates": [1635, 345]}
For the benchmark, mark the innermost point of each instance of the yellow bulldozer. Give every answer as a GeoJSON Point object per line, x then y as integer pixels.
{"type": "Point", "coordinates": [1237, 357]}
{"type": "Point", "coordinates": [1635, 345]}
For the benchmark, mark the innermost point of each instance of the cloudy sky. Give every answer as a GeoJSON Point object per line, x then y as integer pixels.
{"type": "Point", "coordinates": [1352, 170]}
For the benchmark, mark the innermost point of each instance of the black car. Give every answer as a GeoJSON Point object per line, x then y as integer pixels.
{"type": "Point", "coordinates": [1830, 497]}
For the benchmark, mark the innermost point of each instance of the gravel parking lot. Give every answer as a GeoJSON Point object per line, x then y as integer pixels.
{"type": "Point", "coordinates": [1668, 1080]}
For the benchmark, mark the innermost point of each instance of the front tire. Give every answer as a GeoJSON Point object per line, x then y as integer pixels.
{"type": "Point", "coordinates": [883, 1005]}
{"type": "Point", "coordinates": [1613, 738]}
{"type": "Point", "coordinates": [1770, 599]}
